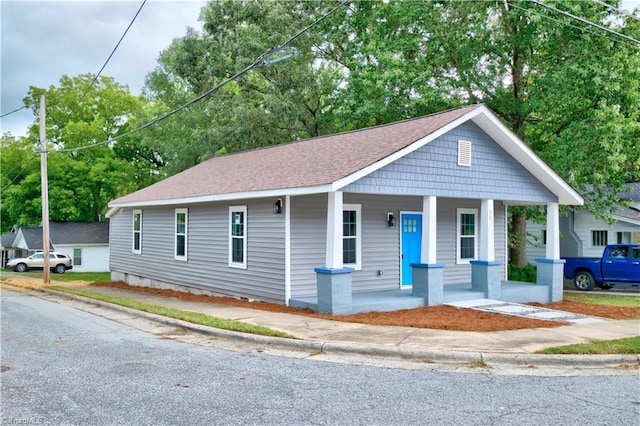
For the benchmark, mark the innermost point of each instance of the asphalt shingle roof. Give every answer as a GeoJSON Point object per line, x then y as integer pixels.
{"type": "Point", "coordinates": [67, 233]}
{"type": "Point", "coordinates": [308, 163]}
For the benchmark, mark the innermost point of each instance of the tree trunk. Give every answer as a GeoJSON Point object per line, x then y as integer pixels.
{"type": "Point", "coordinates": [518, 238]}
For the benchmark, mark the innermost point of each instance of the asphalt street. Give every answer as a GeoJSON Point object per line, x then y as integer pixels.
{"type": "Point", "coordinates": [62, 365]}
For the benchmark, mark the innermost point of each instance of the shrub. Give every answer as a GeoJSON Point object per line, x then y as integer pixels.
{"type": "Point", "coordinates": [525, 273]}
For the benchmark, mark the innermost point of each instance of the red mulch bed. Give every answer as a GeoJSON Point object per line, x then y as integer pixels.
{"type": "Point", "coordinates": [436, 317]}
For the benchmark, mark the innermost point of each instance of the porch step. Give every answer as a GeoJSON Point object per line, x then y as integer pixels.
{"type": "Point", "coordinates": [517, 309]}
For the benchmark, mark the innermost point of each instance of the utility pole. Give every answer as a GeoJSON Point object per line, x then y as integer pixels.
{"type": "Point", "coordinates": [44, 183]}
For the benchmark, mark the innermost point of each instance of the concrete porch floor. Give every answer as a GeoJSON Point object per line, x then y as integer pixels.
{"type": "Point", "coordinates": [393, 300]}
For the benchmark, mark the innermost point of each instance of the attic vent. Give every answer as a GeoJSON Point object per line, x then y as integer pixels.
{"type": "Point", "coordinates": [464, 153]}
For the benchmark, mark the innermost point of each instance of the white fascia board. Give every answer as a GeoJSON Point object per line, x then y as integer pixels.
{"type": "Point", "coordinates": [626, 219]}
{"type": "Point", "coordinates": [512, 144]}
{"type": "Point", "coordinates": [222, 197]}
{"type": "Point", "coordinates": [347, 180]}
{"type": "Point", "coordinates": [111, 212]}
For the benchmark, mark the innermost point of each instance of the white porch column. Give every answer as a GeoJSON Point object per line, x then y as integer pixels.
{"type": "Point", "coordinates": [428, 277]}
{"type": "Point", "coordinates": [487, 232]}
{"type": "Point", "coordinates": [429, 222]}
{"type": "Point", "coordinates": [334, 231]}
{"type": "Point", "coordinates": [486, 272]}
{"type": "Point", "coordinates": [553, 231]}
{"type": "Point", "coordinates": [333, 281]}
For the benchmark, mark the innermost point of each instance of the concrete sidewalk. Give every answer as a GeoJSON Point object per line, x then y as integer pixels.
{"type": "Point", "coordinates": [517, 346]}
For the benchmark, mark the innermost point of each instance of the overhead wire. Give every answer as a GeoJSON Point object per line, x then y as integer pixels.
{"type": "Point", "coordinates": [565, 23]}
{"type": "Point", "coordinates": [261, 60]}
{"type": "Point", "coordinates": [95, 78]}
{"type": "Point", "coordinates": [11, 112]}
{"type": "Point", "coordinates": [585, 21]}
{"type": "Point", "coordinates": [615, 9]}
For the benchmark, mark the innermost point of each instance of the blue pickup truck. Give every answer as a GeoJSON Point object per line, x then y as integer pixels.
{"type": "Point", "coordinates": [619, 267]}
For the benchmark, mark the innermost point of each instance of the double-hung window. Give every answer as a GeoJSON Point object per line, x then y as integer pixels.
{"type": "Point", "coordinates": [137, 232]}
{"type": "Point", "coordinates": [351, 236]}
{"type": "Point", "coordinates": [238, 236]}
{"type": "Point", "coordinates": [467, 228]}
{"type": "Point", "coordinates": [182, 217]}
{"type": "Point", "coordinates": [77, 257]}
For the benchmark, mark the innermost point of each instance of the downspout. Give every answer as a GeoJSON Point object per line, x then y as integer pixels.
{"type": "Point", "coordinates": [287, 249]}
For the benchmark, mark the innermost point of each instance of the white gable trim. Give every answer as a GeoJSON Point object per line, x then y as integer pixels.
{"type": "Point", "coordinates": [482, 116]}
{"type": "Point", "coordinates": [626, 220]}
{"type": "Point", "coordinates": [514, 146]}
{"type": "Point", "coordinates": [505, 138]}
{"type": "Point", "coordinates": [338, 185]}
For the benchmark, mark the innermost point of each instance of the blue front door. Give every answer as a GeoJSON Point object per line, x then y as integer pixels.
{"type": "Point", "coordinates": [411, 243]}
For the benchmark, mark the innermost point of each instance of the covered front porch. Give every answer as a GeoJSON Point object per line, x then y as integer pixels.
{"type": "Point", "coordinates": [335, 293]}
{"type": "Point", "coordinates": [393, 300]}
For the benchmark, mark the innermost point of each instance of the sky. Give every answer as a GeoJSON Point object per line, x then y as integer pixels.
{"type": "Point", "coordinates": [41, 41]}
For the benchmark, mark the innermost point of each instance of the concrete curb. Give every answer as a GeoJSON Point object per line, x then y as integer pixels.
{"type": "Point", "coordinates": [409, 354]}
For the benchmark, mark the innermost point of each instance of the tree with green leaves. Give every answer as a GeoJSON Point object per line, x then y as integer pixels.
{"type": "Point", "coordinates": [81, 181]}
{"type": "Point", "coordinates": [569, 90]}
{"type": "Point", "coordinates": [268, 105]}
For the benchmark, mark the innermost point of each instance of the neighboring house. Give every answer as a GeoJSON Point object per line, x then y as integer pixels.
{"type": "Point", "coordinates": [409, 214]}
{"type": "Point", "coordinates": [584, 235]}
{"type": "Point", "coordinates": [6, 246]}
{"type": "Point", "coordinates": [86, 243]}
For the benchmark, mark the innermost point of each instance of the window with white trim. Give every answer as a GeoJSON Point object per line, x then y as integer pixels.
{"type": "Point", "coordinates": [182, 218]}
{"type": "Point", "coordinates": [467, 230]}
{"type": "Point", "coordinates": [623, 238]}
{"type": "Point", "coordinates": [351, 236]}
{"type": "Point", "coordinates": [77, 257]}
{"type": "Point", "coordinates": [137, 232]}
{"type": "Point", "coordinates": [599, 238]}
{"type": "Point", "coordinates": [238, 236]}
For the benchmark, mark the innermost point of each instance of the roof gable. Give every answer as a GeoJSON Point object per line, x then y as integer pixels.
{"type": "Point", "coordinates": [330, 163]}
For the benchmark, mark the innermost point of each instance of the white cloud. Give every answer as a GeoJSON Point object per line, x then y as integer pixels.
{"type": "Point", "coordinates": [44, 40]}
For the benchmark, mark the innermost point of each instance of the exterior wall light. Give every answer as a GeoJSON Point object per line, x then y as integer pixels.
{"type": "Point", "coordinates": [391, 219]}
{"type": "Point", "coordinates": [277, 206]}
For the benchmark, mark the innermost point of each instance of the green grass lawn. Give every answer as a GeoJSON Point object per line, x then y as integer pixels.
{"type": "Point", "coordinates": [192, 317]}
{"type": "Point", "coordinates": [69, 276]}
{"type": "Point", "coordinates": [604, 299]}
{"type": "Point", "coordinates": [629, 345]}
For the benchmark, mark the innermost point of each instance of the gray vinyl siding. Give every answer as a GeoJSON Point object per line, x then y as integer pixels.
{"type": "Point", "coordinates": [434, 170]}
{"type": "Point", "coordinates": [206, 267]}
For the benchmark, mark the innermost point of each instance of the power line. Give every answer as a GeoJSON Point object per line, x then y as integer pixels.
{"type": "Point", "coordinates": [565, 23]}
{"type": "Point", "coordinates": [585, 21]}
{"type": "Point", "coordinates": [112, 52]}
{"type": "Point", "coordinates": [11, 112]}
{"type": "Point", "coordinates": [615, 9]}
{"type": "Point", "coordinates": [271, 56]}
{"type": "Point", "coordinates": [103, 66]}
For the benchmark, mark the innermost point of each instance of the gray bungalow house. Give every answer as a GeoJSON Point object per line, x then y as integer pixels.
{"type": "Point", "coordinates": [395, 216]}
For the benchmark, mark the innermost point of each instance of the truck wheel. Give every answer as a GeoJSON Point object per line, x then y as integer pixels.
{"type": "Point", "coordinates": [584, 281]}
